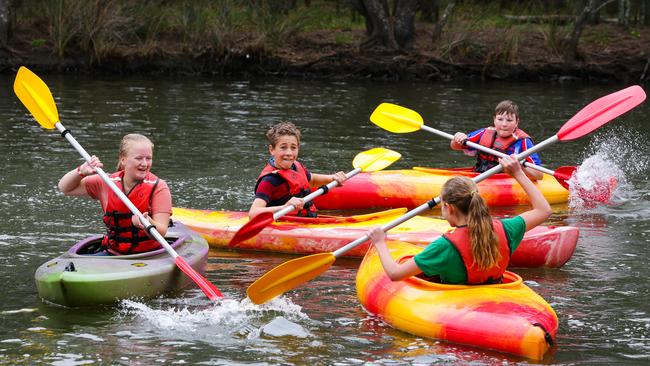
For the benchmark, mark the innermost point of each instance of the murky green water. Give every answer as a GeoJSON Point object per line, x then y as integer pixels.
{"type": "Point", "coordinates": [210, 146]}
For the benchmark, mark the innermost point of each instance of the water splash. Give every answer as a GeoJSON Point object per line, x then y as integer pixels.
{"type": "Point", "coordinates": [226, 322]}
{"type": "Point", "coordinates": [604, 177]}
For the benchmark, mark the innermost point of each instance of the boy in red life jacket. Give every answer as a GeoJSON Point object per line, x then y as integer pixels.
{"type": "Point", "coordinates": [284, 180]}
{"type": "Point", "coordinates": [505, 137]}
{"type": "Point", "coordinates": [151, 195]}
{"type": "Point", "coordinates": [478, 249]}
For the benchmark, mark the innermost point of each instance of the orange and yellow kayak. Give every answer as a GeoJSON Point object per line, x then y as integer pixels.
{"type": "Point", "coordinates": [507, 317]}
{"type": "Point", "coordinates": [544, 246]}
{"type": "Point", "coordinates": [411, 188]}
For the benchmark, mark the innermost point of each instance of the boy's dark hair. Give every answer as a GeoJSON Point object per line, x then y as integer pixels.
{"type": "Point", "coordinates": [282, 129]}
{"type": "Point", "coordinates": [507, 106]}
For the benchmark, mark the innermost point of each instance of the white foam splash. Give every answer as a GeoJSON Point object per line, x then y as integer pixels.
{"type": "Point", "coordinates": [604, 175]}
{"type": "Point", "coordinates": [227, 321]}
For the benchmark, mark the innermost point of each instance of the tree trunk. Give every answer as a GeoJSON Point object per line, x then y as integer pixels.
{"type": "Point", "coordinates": [404, 22]}
{"type": "Point", "coordinates": [437, 31]}
{"type": "Point", "coordinates": [624, 13]}
{"type": "Point", "coordinates": [5, 17]}
{"type": "Point", "coordinates": [572, 47]}
{"type": "Point", "coordinates": [394, 30]}
{"type": "Point", "coordinates": [358, 7]}
{"type": "Point", "coordinates": [429, 10]}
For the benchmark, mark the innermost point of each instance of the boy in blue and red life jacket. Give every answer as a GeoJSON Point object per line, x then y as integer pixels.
{"type": "Point", "coordinates": [505, 137]}
{"type": "Point", "coordinates": [284, 180]}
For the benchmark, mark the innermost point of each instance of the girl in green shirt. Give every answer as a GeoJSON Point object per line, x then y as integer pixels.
{"type": "Point", "coordinates": [462, 206]}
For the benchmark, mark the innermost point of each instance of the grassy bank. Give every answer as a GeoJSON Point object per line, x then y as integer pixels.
{"type": "Point", "coordinates": [318, 38]}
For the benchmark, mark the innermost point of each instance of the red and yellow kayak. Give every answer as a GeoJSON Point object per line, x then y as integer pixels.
{"type": "Point", "coordinates": [507, 317]}
{"type": "Point", "coordinates": [411, 188]}
{"type": "Point", "coordinates": [544, 246]}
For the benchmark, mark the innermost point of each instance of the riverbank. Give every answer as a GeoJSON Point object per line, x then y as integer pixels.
{"type": "Point", "coordinates": [607, 53]}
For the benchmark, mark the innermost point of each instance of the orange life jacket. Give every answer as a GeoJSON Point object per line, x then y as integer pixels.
{"type": "Point", "coordinates": [491, 139]}
{"type": "Point", "coordinates": [122, 237]}
{"type": "Point", "coordinates": [459, 238]}
{"type": "Point", "coordinates": [298, 185]}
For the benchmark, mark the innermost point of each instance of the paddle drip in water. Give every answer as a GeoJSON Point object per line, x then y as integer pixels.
{"type": "Point", "coordinates": [604, 174]}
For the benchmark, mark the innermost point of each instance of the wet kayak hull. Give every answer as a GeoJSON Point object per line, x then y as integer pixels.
{"type": "Point", "coordinates": [412, 187]}
{"type": "Point", "coordinates": [74, 279]}
{"type": "Point", "coordinates": [543, 246]}
{"type": "Point", "coordinates": [508, 317]}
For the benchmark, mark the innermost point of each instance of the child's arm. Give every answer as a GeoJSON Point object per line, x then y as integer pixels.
{"type": "Point", "coordinates": [259, 206]}
{"type": "Point", "coordinates": [541, 209]}
{"type": "Point", "coordinates": [533, 174]}
{"type": "Point", "coordinates": [318, 180]}
{"type": "Point", "coordinates": [73, 184]}
{"type": "Point", "coordinates": [459, 141]}
{"type": "Point", "coordinates": [395, 271]}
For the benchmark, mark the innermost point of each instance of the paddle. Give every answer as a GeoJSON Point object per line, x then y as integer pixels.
{"type": "Point", "coordinates": [294, 272]}
{"type": "Point", "coordinates": [36, 96]}
{"type": "Point", "coordinates": [368, 161]}
{"type": "Point", "coordinates": [398, 119]}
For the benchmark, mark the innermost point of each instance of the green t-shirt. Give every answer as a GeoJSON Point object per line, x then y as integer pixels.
{"type": "Point", "coordinates": [440, 258]}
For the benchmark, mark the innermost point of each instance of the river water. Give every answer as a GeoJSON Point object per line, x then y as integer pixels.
{"type": "Point", "coordinates": [210, 146]}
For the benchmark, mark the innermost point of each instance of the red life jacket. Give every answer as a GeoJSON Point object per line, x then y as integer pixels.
{"type": "Point", "coordinates": [122, 237]}
{"type": "Point", "coordinates": [460, 239]}
{"type": "Point", "coordinates": [298, 185]}
{"type": "Point", "coordinates": [491, 139]}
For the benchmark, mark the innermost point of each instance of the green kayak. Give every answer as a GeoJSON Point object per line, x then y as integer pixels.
{"type": "Point", "coordinates": [77, 278]}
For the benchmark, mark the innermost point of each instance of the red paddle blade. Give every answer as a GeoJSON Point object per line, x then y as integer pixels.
{"type": "Point", "coordinates": [563, 174]}
{"type": "Point", "coordinates": [600, 192]}
{"type": "Point", "coordinates": [251, 228]}
{"type": "Point", "coordinates": [601, 111]}
{"type": "Point", "coordinates": [210, 290]}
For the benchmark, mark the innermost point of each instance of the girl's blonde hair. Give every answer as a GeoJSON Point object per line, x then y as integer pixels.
{"type": "Point", "coordinates": [125, 145]}
{"type": "Point", "coordinates": [282, 129]}
{"type": "Point", "coordinates": [462, 192]}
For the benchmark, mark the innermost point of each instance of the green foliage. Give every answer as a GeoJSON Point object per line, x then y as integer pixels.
{"type": "Point", "coordinates": [602, 39]}
{"type": "Point", "coordinates": [326, 15]}
{"type": "Point", "coordinates": [104, 24]}
{"type": "Point", "coordinates": [554, 37]}
{"type": "Point", "coordinates": [62, 25]}
{"type": "Point", "coordinates": [39, 42]}
{"type": "Point", "coordinates": [272, 27]}
{"type": "Point", "coordinates": [98, 28]}
{"type": "Point", "coordinates": [343, 38]}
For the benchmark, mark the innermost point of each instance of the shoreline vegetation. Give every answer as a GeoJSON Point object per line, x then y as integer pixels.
{"type": "Point", "coordinates": [590, 40]}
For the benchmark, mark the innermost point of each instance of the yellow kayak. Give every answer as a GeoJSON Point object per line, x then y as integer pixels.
{"type": "Point", "coordinates": [507, 317]}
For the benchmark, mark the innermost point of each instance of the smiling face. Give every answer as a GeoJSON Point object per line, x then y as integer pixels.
{"type": "Point", "coordinates": [137, 160]}
{"type": "Point", "coordinates": [285, 151]}
{"type": "Point", "coordinates": [505, 124]}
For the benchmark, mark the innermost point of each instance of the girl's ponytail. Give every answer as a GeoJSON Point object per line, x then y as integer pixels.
{"type": "Point", "coordinates": [462, 192]}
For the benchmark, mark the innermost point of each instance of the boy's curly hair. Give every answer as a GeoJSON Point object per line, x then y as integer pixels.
{"type": "Point", "coordinates": [282, 129]}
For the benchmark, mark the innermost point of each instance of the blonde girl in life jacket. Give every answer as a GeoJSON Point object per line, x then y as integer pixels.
{"type": "Point", "coordinates": [151, 195]}
{"type": "Point", "coordinates": [284, 180]}
{"type": "Point", "coordinates": [505, 136]}
{"type": "Point", "coordinates": [478, 249]}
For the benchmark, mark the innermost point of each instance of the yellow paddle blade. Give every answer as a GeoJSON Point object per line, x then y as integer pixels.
{"type": "Point", "coordinates": [395, 118]}
{"type": "Point", "coordinates": [289, 275]}
{"type": "Point", "coordinates": [375, 159]}
{"type": "Point", "coordinates": [36, 96]}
